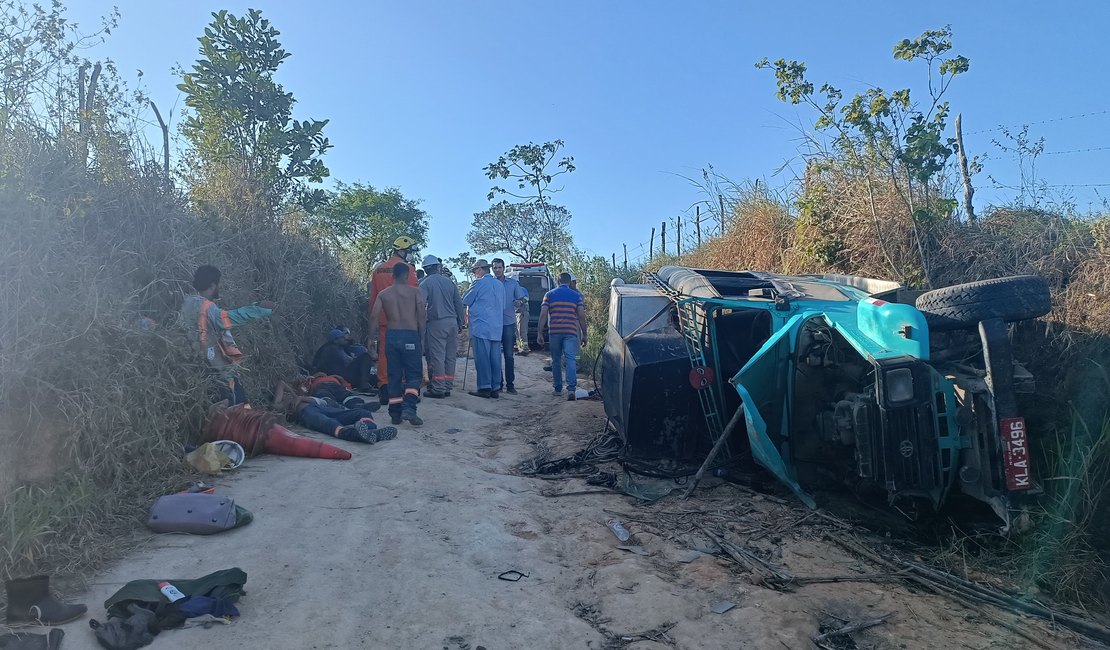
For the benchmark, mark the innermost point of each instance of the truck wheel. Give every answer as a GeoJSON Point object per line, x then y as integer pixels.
{"type": "Point", "coordinates": [962, 306]}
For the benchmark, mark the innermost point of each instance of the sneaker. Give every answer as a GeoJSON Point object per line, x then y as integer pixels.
{"type": "Point", "coordinates": [364, 433]}
{"type": "Point", "coordinates": [484, 393]}
{"type": "Point", "coordinates": [494, 394]}
{"type": "Point", "coordinates": [570, 396]}
{"type": "Point", "coordinates": [434, 394]}
{"type": "Point", "coordinates": [557, 391]}
{"type": "Point", "coordinates": [510, 389]}
{"type": "Point", "coordinates": [383, 397]}
{"type": "Point", "coordinates": [395, 418]}
{"type": "Point", "coordinates": [386, 433]}
{"type": "Point", "coordinates": [447, 394]}
{"type": "Point", "coordinates": [414, 419]}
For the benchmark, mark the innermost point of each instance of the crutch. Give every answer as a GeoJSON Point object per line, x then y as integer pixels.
{"type": "Point", "coordinates": [466, 362]}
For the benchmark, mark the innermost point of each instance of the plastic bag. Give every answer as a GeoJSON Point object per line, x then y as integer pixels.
{"type": "Point", "coordinates": [207, 458]}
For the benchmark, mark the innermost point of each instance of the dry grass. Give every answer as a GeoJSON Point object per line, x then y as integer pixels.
{"type": "Point", "coordinates": [93, 409]}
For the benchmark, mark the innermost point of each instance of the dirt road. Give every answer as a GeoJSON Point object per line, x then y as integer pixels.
{"type": "Point", "coordinates": [401, 548]}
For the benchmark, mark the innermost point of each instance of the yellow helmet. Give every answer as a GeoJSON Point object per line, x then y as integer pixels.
{"type": "Point", "coordinates": [403, 242]}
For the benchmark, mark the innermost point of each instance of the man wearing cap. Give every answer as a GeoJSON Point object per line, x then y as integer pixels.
{"type": "Point", "coordinates": [383, 279]}
{"type": "Point", "coordinates": [445, 319]}
{"type": "Point", "coordinates": [563, 315]}
{"type": "Point", "coordinates": [485, 302]}
{"type": "Point", "coordinates": [515, 296]}
{"type": "Point", "coordinates": [343, 357]}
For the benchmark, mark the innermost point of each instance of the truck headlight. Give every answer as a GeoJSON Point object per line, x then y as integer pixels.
{"type": "Point", "coordinates": [898, 385]}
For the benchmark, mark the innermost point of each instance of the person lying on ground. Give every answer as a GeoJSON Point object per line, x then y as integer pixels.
{"type": "Point", "coordinates": [324, 415]}
{"type": "Point", "coordinates": [209, 329]}
{"type": "Point", "coordinates": [342, 356]}
{"type": "Point", "coordinates": [337, 389]}
{"type": "Point", "coordinates": [403, 307]}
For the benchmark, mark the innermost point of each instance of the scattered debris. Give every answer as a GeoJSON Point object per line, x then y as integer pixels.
{"type": "Point", "coordinates": [852, 627]}
{"type": "Point", "coordinates": [635, 550]}
{"type": "Point", "coordinates": [511, 576]}
{"type": "Point", "coordinates": [721, 606]}
{"type": "Point", "coordinates": [618, 529]}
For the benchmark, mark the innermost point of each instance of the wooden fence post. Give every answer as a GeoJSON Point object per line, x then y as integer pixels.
{"type": "Point", "coordinates": [651, 246]}
{"type": "Point", "coordinates": [678, 236]}
{"type": "Point", "coordinates": [697, 223]}
{"type": "Point", "coordinates": [663, 238]}
{"type": "Point", "coordinates": [625, 257]}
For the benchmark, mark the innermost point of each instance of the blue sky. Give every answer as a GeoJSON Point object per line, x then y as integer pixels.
{"type": "Point", "coordinates": [422, 94]}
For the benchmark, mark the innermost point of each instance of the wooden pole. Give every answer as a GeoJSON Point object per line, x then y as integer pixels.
{"type": "Point", "coordinates": [715, 450]}
{"type": "Point", "coordinates": [651, 246]}
{"type": "Point", "coordinates": [969, 191]}
{"type": "Point", "coordinates": [721, 203]}
{"type": "Point", "coordinates": [697, 223]}
{"type": "Point", "coordinates": [678, 236]}
{"type": "Point", "coordinates": [625, 257]}
{"type": "Point", "coordinates": [614, 260]}
{"type": "Point", "coordinates": [663, 238]}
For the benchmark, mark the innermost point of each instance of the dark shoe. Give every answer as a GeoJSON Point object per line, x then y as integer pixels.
{"type": "Point", "coordinates": [27, 641]}
{"type": "Point", "coordinates": [365, 432]}
{"type": "Point", "coordinates": [386, 433]}
{"type": "Point", "coordinates": [434, 394]}
{"type": "Point", "coordinates": [414, 419]}
{"type": "Point", "coordinates": [481, 392]}
{"type": "Point", "coordinates": [570, 396]}
{"type": "Point", "coordinates": [494, 394]}
{"type": "Point", "coordinates": [447, 394]}
{"type": "Point", "coordinates": [547, 368]}
{"type": "Point", "coordinates": [29, 601]}
{"type": "Point", "coordinates": [557, 391]}
{"type": "Point", "coordinates": [383, 397]}
{"type": "Point", "coordinates": [395, 418]}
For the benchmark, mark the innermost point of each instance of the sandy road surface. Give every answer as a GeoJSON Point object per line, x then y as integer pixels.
{"type": "Point", "coordinates": [401, 547]}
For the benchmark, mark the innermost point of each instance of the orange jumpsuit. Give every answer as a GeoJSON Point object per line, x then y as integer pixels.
{"type": "Point", "coordinates": [382, 278]}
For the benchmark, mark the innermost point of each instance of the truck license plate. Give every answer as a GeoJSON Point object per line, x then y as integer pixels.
{"type": "Point", "coordinates": [1015, 452]}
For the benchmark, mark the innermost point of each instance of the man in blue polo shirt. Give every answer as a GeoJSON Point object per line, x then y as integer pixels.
{"type": "Point", "coordinates": [485, 304]}
{"type": "Point", "coordinates": [515, 295]}
{"type": "Point", "coordinates": [563, 315]}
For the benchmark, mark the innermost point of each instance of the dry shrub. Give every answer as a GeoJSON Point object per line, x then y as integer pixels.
{"type": "Point", "coordinates": [94, 410]}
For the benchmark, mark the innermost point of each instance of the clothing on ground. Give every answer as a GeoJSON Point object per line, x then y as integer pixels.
{"type": "Point", "coordinates": [383, 278]}
{"type": "Point", "coordinates": [564, 349]}
{"type": "Point", "coordinates": [513, 292]}
{"type": "Point", "coordinates": [442, 340]}
{"type": "Point", "coordinates": [485, 301]}
{"type": "Point", "coordinates": [562, 310]}
{"type": "Point", "coordinates": [402, 347]}
{"type": "Point", "coordinates": [487, 362]}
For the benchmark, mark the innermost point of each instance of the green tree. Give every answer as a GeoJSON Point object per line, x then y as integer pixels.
{"type": "Point", "coordinates": [242, 120]}
{"type": "Point", "coordinates": [888, 134]}
{"type": "Point", "coordinates": [526, 230]}
{"type": "Point", "coordinates": [361, 223]}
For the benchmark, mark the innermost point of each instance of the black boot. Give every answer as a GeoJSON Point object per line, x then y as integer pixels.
{"type": "Point", "coordinates": [25, 641]}
{"type": "Point", "coordinates": [29, 601]}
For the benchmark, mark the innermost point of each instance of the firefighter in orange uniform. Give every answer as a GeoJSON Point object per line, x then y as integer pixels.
{"type": "Point", "coordinates": [382, 278]}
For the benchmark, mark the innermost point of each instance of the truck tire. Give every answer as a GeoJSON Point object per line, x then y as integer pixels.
{"type": "Point", "coordinates": [962, 306]}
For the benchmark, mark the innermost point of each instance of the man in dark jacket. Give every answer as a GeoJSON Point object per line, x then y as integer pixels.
{"type": "Point", "coordinates": [341, 356]}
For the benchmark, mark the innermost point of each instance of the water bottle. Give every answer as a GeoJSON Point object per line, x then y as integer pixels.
{"type": "Point", "coordinates": [618, 529]}
{"type": "Point", "coordinates": [170, 592]}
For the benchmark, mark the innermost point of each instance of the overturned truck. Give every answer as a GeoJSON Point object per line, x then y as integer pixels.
{"type": "Point", "coordinates": [835, 381]}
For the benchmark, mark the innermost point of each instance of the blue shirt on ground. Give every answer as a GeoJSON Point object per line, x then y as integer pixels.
{"type": "Point", "coordinates": [485, 302]}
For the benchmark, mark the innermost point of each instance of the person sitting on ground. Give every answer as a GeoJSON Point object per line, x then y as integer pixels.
{"type": "Point", "coordinates": [342, 356]}
{"type": "Point", "coordinates": [325, 415]}
{"type": "Point", "coordinates": [403, 307]}
{"type": "Point", "coordinates": [209, 330]}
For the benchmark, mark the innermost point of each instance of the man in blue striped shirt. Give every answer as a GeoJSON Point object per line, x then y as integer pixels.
{"type": "Point", "coordinates": [564, 316]}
